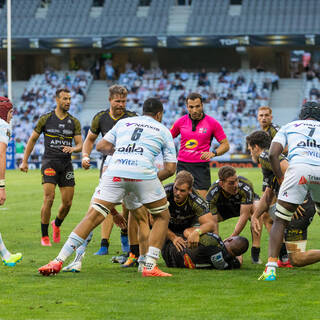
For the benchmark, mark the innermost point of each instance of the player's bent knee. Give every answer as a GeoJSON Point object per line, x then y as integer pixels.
{"type": "Point", "coordinates": [158, 210]}
{"type": "Point", "coordinates": [100, 208]}
{"type": "Point", "coordinates": [283, 213]}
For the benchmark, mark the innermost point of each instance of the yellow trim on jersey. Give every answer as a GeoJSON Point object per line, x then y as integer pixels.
{"type": "Point", "coordinates": [51, 136]}
{"type": "Point", "coordinates": [180, 205]}
{"type": "Point", "coordinates": [115, 118]}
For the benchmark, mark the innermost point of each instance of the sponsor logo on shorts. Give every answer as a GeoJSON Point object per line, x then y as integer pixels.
{"type": "Point", "coordinates": [127, 162]}
{"type": "Point", "coordinates": [314, 179]}
{"type": "Point", "coordinates": [131, 148]}
{"type": "Point", "coordinates": [49, 172]}
{"type": "Point", "coordinates": [116, 179]}
{"type": "Point", "coordinates": [191, 144]}
{"type": "Point", "coordinates": [285, 194]}
{"type": "Point", "coordinates": [303, 180]}
{"type": "Point", "coordinates": [70, 175]}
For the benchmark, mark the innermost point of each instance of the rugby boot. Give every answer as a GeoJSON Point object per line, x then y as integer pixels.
{"type": "Point", "coordinates": [55, 232]}
{"type": "Point", "coordinates": [13, 260]}
{"type": "Point", "coordinates": [155, 272]}
{"type": "Point", "coordinates": [74, 266]}
{"type": "Point", "coordinates": [268, 276]}
{"type": "Point", "coordinates": [102, 251]}
{"type": "Point", "coordinates": [132, 261]}
{"type": "Point", "coordinates": [45, 241]}
{"type": "Point", "coordinates": [188, 262]}
{"type": "Point", "coordinates": [53, 267]}
{"type": "Point", "coordinates": [286, 264]}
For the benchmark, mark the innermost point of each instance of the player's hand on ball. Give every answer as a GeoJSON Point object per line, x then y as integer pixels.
{"type": "Point", "coordinates": [120, 221]}
{"type": "Point", "coordinates": [179, 243]}
{"type": "Point", "coordinates": [24, 167]}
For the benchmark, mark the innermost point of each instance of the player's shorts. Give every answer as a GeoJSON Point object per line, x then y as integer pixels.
{"type": "Point", "coordinates": [298, 180]}
{"type": "Point", "coordinates": [58, 172]}
{"type": "Point", "coordinates": [132, 191]}
{"type": "Point", "coordinates": [297, 229]}
{"type": "Point", "coordinates": [200, 172]}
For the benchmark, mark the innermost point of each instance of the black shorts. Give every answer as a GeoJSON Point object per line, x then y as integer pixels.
{"type": "Point", "coordinates": [58, 172]}
{"type": "Point", "coordinates": [298, 228]}
{"type": "Point", "coordinates": [200, 172]}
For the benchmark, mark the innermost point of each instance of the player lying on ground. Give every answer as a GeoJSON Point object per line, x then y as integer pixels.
{"type": "Point", "coordinates": [211, 252]}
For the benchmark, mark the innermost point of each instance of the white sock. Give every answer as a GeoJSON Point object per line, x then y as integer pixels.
{"type": "Point", "coordinates": [271, 266]}
{"type": "Point", "coordinates": [152, 257]}
{"type": "Point", "coordinates": [73, 242]}
{"type": "Point", "coordinates": [4, 252]}
{"type": "Point", "coordinates": [81, 250]}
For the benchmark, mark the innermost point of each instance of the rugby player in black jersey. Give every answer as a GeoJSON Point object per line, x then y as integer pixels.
{"type": "Point", "coordinates": [59, 129]}
{"type": "Point", "coordinates": [296, 232]}
{"type": "Point", "coordinates": [231, 196]}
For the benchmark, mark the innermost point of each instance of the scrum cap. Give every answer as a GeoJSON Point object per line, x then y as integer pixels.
{"type": "Point", "coordinates": [310, 109]}
{"type": "Point", "coordinates": [5, 107]}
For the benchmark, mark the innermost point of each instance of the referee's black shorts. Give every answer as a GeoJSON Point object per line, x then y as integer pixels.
{"type": "Point", "coordinates": [200, 172]}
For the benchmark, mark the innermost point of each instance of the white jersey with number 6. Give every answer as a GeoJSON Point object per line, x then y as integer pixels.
{"type": "Point", "coordinates": [303, 140]}
{"type": "Point", "coordinates": [138, 141]}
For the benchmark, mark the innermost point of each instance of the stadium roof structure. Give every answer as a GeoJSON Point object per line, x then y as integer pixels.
{"type": "Point", "coordinates": [123, 23]}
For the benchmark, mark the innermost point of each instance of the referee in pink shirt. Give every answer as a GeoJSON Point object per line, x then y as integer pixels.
{"type": "Point", "coordinates": [197, 131]}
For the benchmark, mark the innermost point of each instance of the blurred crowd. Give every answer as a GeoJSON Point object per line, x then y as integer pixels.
{"type": "Point", "coordinates": [38, 98]}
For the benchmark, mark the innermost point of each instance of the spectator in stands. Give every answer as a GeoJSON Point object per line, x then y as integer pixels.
{"type": "Point", "coordinates": [274, 81]}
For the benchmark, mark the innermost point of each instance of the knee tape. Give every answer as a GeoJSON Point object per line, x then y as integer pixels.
{"type": "Point", "coordinates": [100, 208]}
{"type": "Point", "coordinates": [159, 209]}
{"type": "Point", "coordinates": [283, 213]}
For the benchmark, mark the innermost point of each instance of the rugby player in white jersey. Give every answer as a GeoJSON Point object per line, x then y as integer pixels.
{"type": "Point", "coordinates": [136, 141]}
{"type": "Point", "coordinates": [5, 132]}
{"type": "Point", "coordinates": [303, 174]}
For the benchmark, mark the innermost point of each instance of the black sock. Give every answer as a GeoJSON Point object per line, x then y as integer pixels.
{"type": "Point", "coordinates": [44, 229]}
{"type": "Point", "coordinates": [255, 252]}
{"type": "Point", "coordinates": [124, 232]}
{"type": "Point", "coordinates": [105, 243]}
{"type": "Point", "coordinates": [58, 222]}
{"type": "Point", "coordinates": [134, 248]}
{"type": "Point", "coordinates": [283, 255]}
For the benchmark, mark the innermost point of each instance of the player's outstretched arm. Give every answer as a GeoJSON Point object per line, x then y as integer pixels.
{"type": "Point", "coordinates": [30, 145]}
{"type": "Point", "coordinates": [245, 213]}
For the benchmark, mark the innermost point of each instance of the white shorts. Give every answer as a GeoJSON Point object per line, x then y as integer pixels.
{"type": "Point", "coordinates": [298, 180]}
{"type": "Point", "coordinates": [134, 192]}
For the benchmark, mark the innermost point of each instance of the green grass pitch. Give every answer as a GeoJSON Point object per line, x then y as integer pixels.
{"type": "Point", "coordinates": [105, 291]}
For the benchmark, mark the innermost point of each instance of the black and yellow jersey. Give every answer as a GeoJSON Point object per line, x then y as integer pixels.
{"type": "Point", "coordinates": [58, 133]}
{"type": "Point", "coordinates": [227, 205]}
{"type": "Point", "coordinates": [272, 130]}
{"type": "Point", "coordinates": [269, 179]}
{"type": "Point", "coordinates": [185, 215]}
{"type": "Point", "coordinates": [102, 122]}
